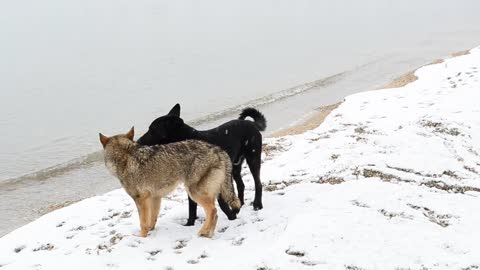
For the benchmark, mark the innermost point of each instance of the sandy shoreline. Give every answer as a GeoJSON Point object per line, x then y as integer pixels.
{"type": "Point", "coordinates": [324, 191]}
{"type": "Point", "coordinates": [310, 122]}
{"type": "Point", "coordinates": [321, 113]}
{"type": "Point", "coordinates": [314, 120]}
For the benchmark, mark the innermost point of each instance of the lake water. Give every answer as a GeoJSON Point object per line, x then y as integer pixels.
{"type": "Point", "coordinates": [69, 70]}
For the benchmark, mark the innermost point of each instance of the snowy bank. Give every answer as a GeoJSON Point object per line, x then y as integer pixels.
{"type": "Point", "coordinates": [390, 180]}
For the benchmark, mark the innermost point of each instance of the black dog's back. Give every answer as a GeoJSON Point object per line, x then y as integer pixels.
{"type": "Point", "coordinates": [236, 137]}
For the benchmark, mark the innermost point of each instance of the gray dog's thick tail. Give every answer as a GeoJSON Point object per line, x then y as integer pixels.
{"type": "Point", "coordinates": [227, 192]}
{"type": "Point", "coordinates": [258, 117]}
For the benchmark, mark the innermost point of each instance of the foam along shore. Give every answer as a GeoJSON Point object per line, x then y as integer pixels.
{"type": "Point", "coordinates": [390, 180]}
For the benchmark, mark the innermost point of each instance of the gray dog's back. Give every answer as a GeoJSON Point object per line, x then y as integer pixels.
{"type": "Point", "coordinates": [159, 169]}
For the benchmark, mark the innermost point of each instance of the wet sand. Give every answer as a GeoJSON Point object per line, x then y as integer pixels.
{"type": "Point", "coordinates": [321, 113]}
{"type": "Point", "coordinates": [310, 123]}
{"type": "Point", "coordinates": [410, 76]}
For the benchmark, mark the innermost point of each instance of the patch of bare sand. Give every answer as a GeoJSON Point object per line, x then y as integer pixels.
{"type": "Point", "coordinates": [410, 76]}
{"type": "Point", "coordinates": [460, 53]}
{"type": "Point", "coordinates": [402, 80]}
{"type": "Point", "coordinates": [55, 206]}
{"type": "Point", "coordinates": [319, 116]}
{"type": "Point", "coordinates": [310, 123]}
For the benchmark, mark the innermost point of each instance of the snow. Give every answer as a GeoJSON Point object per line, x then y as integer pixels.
{"type": "Point", "coordinates": [390, 180]}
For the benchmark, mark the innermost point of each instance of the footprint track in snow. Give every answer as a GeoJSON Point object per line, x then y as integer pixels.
{"type": "Point", "coordinates": [193, 261]}
{"type": "Point", "coordinates": [152, 255]}
{"type": "Point", "coordinates": [295, 252]}
{"type": "Point", "coordinates": [238, 241]}
{"type": "Point", "coordinates": [180, 244]}
{"type": "Point", "coordinates": [223, 229]}
{"type": "Point", "coordinates": [60, 224]}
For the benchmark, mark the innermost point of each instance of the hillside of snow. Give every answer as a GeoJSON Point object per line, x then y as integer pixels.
{"type": "Point", "coordinates": [390, 180]}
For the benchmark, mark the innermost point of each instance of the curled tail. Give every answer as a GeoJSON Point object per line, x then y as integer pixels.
{"type": "Point", "coordinates": [226, 191]}
{"type": "Point", "coordinates": [258, 118]}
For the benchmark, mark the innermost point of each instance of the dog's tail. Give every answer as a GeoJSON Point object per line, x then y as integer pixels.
{"type": "Point", "coordinates": [258, 118]}
{"type": "Point", "coordinates": [226, 191]}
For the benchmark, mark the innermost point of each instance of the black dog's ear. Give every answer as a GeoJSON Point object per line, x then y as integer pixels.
{"type": "Point", "coordinates": [175, 111]}
{"type": "Point", "coordinates": [177, 122]}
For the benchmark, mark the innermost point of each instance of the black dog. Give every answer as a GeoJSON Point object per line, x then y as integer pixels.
{"type": "Point", "coordinates": [240, 138]}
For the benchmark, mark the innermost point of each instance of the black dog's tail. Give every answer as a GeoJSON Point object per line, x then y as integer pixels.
{"type": "Point", "coordinates": [258, 117]}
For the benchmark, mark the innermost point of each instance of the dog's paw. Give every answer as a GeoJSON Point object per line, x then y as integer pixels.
{"type": "Point", "coordinates": [205, 233]}
{"type": "Point", "coordinates": [232, 216]}
{"type": "Point", "coordinates": [190, 222]}
{"type": "Point", "coordinates": [143, 233]}
{"type": "Point", "coordinates": [257, 206]}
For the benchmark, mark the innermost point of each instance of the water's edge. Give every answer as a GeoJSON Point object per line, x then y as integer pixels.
{"type": "Point", "coordinates": [31, 196]}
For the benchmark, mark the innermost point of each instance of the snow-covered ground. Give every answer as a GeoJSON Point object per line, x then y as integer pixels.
{"type": "Point", "coordinates": [391, 180]}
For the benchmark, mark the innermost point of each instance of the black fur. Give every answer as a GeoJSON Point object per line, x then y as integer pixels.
{"type": "Point", "coordinates": [241, 139]}
{"type": "Point", "coordinates": [258, 117]}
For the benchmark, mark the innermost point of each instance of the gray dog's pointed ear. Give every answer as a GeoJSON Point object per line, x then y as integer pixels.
{"type": "Point", "coordinates": [130, 134]}
{"type": "Point", "coordinates": [175, 111]}
{"type": "Point", "coordinates": [103, 139]}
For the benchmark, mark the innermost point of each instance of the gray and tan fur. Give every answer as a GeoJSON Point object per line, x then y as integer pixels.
{"type": "Point", "coordinates": [149, 173]}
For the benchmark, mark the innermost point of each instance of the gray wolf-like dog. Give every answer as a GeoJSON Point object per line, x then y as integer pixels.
{"type": "Point", "coordinates": [148, 173]}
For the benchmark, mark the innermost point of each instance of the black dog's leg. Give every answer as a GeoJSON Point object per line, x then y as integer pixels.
{"type": "Point", "coordinates": [237, 176]}
{"type": "Point", "coordinates": [192, 212]}
{"type": "Point", "coordinates": [254, 162]}
{"type": "Point", "coordinates": [231, 215]}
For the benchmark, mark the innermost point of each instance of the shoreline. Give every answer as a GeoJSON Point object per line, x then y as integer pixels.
{"type": "Point", "coordinates": [305, 123]}
{"type": "Point", "coordinates": [316, 118]}
{"type": "Point", "coordinates": [312, 121]}
{"type": "Point", "coordinates": [329, 185]}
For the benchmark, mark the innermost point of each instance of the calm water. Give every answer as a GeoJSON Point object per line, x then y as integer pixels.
{"type": "Point", "coordinates": [69, 70]}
